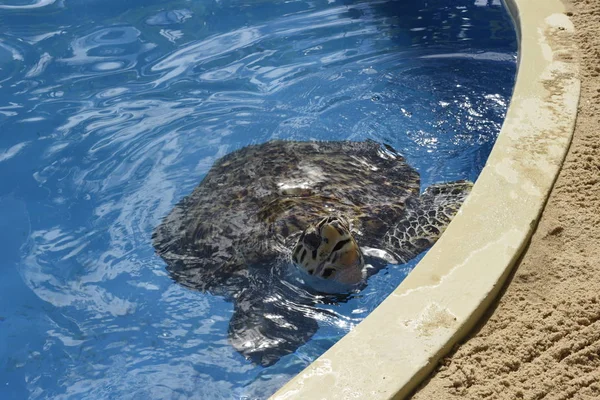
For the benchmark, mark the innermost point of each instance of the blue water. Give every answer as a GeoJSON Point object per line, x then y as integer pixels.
{"type": "Point", "coordinates": [111, 111]}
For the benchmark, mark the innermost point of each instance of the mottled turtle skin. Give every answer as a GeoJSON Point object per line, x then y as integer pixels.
{"type": "Point", "coordinates": [237, 232]}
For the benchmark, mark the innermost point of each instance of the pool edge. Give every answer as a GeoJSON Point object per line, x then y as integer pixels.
{"type": "Point", "coordinates": [390, 353]}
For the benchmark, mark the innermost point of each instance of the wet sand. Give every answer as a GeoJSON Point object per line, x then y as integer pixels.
{"type": "Point", "coordinates": [541, 340]}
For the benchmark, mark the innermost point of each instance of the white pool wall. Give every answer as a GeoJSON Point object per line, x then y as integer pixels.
{"type": "Point", "coordinates": [398, 345]}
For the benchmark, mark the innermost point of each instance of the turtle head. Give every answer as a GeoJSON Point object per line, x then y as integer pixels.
{"type": "Point", "coordinates": [327, 251]}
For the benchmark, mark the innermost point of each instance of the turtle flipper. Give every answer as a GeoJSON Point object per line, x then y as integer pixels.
{"type": "Point", "coordinates": [265, 328]}
{"type": "Point", "coordinates": [268, 320]}
{"type": "Point", "coordinates": [426, 219]}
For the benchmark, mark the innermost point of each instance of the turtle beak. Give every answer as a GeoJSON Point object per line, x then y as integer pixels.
{"type": "Point", "coordinates": [345, 262]}
{"type": "Point", "coordinates": [349, 264]}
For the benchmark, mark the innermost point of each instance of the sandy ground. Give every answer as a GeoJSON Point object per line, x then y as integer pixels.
{"type": "Point", "coordinates": [542, 338]}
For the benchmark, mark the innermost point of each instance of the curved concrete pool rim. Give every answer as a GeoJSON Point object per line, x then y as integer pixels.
{"type": "Point", "coordinates": [399, 343]}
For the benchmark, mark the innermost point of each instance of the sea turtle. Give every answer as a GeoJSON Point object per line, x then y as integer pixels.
{"type": "Point", "coordinates": [323, 206]}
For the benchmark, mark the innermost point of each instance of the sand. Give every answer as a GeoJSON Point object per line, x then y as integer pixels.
{"type": "Point", "coordinates": [542, 338]}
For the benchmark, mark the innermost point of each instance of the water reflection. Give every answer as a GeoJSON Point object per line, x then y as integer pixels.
{"type": "Point", "coordinates": [113, 111]}
{"type": "Point", "coordinates": [36, 4]}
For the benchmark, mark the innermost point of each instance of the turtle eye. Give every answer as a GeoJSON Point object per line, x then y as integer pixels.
{"type": "Point", "coordinates": [312, 240]}
{"type": "Point", "coordinates": [327, 273]}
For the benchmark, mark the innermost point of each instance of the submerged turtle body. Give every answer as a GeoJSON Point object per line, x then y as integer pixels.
{"type": "Point", "coordinates": [313, 203]}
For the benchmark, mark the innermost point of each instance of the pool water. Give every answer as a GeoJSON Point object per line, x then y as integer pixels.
{"type": "Point", "coordinates": [112, 111]}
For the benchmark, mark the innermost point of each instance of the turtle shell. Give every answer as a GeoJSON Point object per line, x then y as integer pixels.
{"type": "Point", "coordinates": [254, 200]}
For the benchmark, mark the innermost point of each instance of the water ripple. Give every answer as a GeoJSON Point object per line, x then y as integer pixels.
{"type": "Point", "coordinates": [37, 4]}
